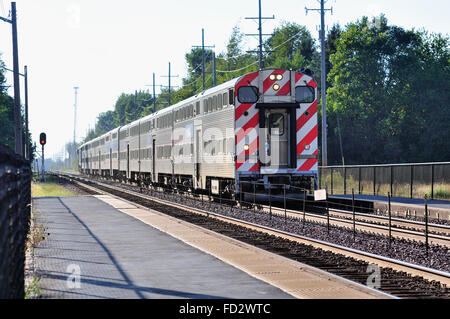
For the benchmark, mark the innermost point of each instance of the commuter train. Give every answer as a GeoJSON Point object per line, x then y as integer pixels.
{"type": "Point", "coordinates": [260, 127]}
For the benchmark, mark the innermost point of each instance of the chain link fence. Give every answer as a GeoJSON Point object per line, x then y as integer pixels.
{"type": "Point", "coordinates": [400, 180]}
{"type": "Point", "coordinates": [15, 208]}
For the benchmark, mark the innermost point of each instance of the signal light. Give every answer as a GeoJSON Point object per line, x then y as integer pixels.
{"type": "Point", "coordinates": [43, 139]}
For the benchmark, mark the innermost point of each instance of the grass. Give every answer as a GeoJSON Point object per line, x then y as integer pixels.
{"type": "Point", "coordinates": [49, 188]}
{"type": "Point", "coordinates": [441, 191]}
{"type": "Point", "coordinates": [35, 236]}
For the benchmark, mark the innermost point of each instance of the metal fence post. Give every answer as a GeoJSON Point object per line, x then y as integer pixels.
{"type": "Point", "coordinates": [254, 196]}
{"type": "Point", "coordinates": [328, 215]}
{"type": "Point", "coordinates": [412, 178]}
{"type": "Point", "coordinates": [345, 180]}
{"type": "Point", "coordinates": [240, 193]}
{"type": "Point", "coordinates": [390, 218]}
{"type": "Point", "coordinates": [426, 224]}
{"type": "Point", "coordinates": [359, 180]}
{"type": "Point", "coordinates": [432, 181]}
{"type": "Point", "coordinates": [331, 182]}
{"type": "Point", "coordinates": [270, 201]}
{"type": "Point", "coordinates": [284, 199]}
{"type": "Point", "coordinates": [374, 181]}
{"type": "Point", "coordinates": [391, 179]}
{"type": "Point", "coordinates": [353, 209]}
{"type": "Point", "coordinates": [304, 204]}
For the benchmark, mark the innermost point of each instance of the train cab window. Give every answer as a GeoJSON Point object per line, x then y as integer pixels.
{"type": "Point", "coordinates": [304, 94]}
{"type": "Point", "coordinates": [248, 94]}
{"type": "Point", "coordinates": [276, 124]}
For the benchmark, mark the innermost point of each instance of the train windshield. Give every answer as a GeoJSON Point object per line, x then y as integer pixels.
{"type": "Point", "coordinates": [248, 94]}
{"type": "Point", "coordinates": [304, 94]}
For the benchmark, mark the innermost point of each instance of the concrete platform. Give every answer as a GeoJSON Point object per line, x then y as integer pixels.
{"type": "Point", "coordinates": [118, 256]}
{"type": "Point", "coordinates": [121, 250]}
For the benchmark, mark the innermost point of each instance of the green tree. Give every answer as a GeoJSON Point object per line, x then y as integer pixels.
{"type": "Point", "coordinates": [293, 47]}
{"type": "Point", "coordinates": [6, 111]}
{"type": "Point", "coordinates": [378, 88]}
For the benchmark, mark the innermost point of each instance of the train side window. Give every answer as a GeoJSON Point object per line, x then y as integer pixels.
{"type": "Point", "coordinates": [219, 101]}
{"type": "Point", "coordinates": [214, 103]}
{"type": "Point", "coordinates": [205, 106]}
{"type": "Point", "coordinates": [210, 104]}
{"type": "Point", "coordinates": [197, 108]}
{"type": "Point", "coordinates": [231, 97]}
{"type": "Point", "coordinates": [225, 99]}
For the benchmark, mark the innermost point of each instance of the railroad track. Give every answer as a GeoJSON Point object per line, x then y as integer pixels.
{"type": "Point", "coordinates": [400, 228]}
{"type": "Point", "coordinates": [399, 278]}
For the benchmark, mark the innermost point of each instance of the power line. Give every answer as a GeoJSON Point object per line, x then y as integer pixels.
{"type": "Point", "coordinates": [267, 53]}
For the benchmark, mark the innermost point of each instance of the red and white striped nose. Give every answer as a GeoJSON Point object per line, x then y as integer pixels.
{"type": "Point", "coordinates": [276, 82]}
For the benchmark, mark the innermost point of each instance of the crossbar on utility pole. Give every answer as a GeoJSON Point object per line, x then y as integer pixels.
{"type": "Point", "coordinates": [323, 79]}
{"type": "Point", "coordinates": [203, 46]}
{"type": "Point", "coordinates": [260, 34]}
{"type": "Point", "coordinates": [170, 86]}
{"type": "Point", "coordinates": [154, 85]}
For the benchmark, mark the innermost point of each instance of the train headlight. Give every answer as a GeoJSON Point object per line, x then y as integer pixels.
{"type": "Point", "coordinates": [246, 147]}
{"type": "Point", "coordinates": [307, 147]}
{"type": "Point", "coordinates": [272, 77]}
{"type": "Point", "coordinates": [279, 77]}
{"type": "Point", "coordinates": [276, 87]}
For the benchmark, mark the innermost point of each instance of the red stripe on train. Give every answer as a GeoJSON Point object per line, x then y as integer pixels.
{"type": "Point", "coordinates": [303, 119]}
{"type": "Point", "coordinates": [308, 139]}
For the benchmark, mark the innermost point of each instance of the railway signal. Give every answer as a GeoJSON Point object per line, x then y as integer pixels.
{"type": "Point", "coordinates": [43, 141]}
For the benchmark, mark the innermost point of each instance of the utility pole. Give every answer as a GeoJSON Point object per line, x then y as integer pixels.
{"type": "Point", "coordinates": [17, 107]}
{"type": "Point", "coordinates": [75, 114]}
{"type": "Point", "coordinates": [203, 56]}
{"type": "Point", "coordinates": [260, 35]}
{"type": "Point", "coordinates": [154, 92]}
{"type": "Point", "coordinates": [154, 95]}
{"type": "Point", "coordinates": [214, 69]}
{"type": "Point", "coordinates": [27, 132]}
{"type": "Point", "coordinates": [170, 86]}
{"type": "Point", "coordinates": [323, 80]}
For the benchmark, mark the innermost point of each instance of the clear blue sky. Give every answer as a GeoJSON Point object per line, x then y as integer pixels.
{"type": "Point", "coordinates": [110, 47]}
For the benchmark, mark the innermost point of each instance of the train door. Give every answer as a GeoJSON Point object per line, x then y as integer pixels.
{"type": "Point", "coordinates": [277, 137]}
{"type": "Point", "coordinates": [110, 163]}
{"type": "Point", "coordinates": [99, 163]}
{"type": "Point", "coordinates": [198, 156]}
{"type": "Point", "coordinates": [128, 160]}
{"type": "Point", "coordinates": [154, 160]}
